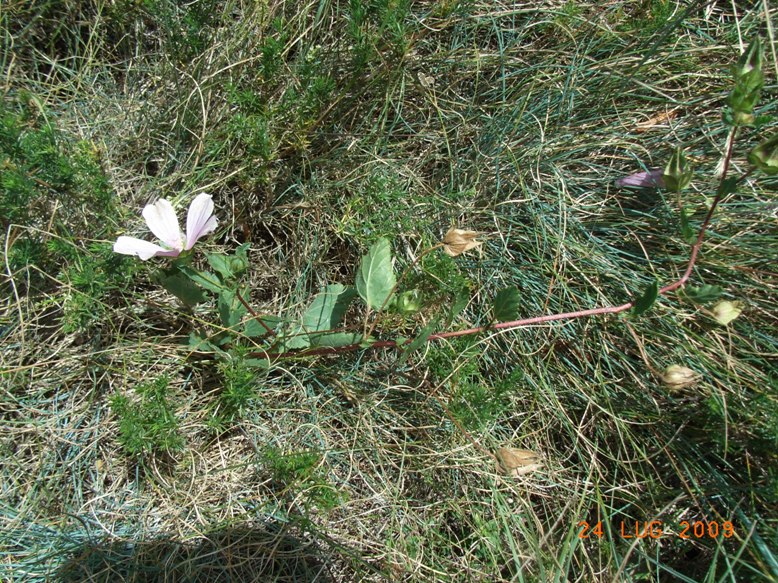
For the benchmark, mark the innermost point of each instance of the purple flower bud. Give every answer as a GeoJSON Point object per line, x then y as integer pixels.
{"type": "Point", "coordinates": [650, 179]}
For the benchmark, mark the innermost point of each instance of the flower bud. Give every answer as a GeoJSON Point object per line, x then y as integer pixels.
{"type": "Point", "coordinates": [765, 156]}
{"type": "Point", "coordinates": [749, 80]}
{"type": "Point", "coordinates": [457, 241]}
{"type": "Point", "coordinates": [678, 173]}
{"type": "Point", "coordinates": [651, 178]}
{"type": "Point", "coordinates": [743, 119]}
{"type": "Point", "coordinates": [679, 377]}
{"type": "Point", "coordinates": [409, 302]}
{"type": "Point", "coordinates": [725, 311]}
{"type": "Point", "coordinates": [750, 60]}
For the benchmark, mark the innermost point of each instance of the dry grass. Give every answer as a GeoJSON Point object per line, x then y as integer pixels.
{"type": "Point", "coordinates": [510, 119]}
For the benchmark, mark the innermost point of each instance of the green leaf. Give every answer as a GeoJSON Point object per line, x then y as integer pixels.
{"type": "Point", "coordinates": [328, 308]}
{"type": "Point", "coordinates": [223, 338]}
{"type": "Point", "coordinates": [703, 294]}
{"type": "Point", "coordinates": [337, 339]}
{"type": "Point", "coordinates": [296, 339]}
{"type": "Point", "coordinates": [687, 232]}
{"type": "Point", "coordinates": [506, 304]}
{"type": "Point", "coordinates": [239, 261]}
{"type": "Point", "coordinates": [229, 266]}
{"type": "Point", "coordinates": [375, 279]}
{"type": "Point", "coordinates": [183, 288]}
{"type": "Point", "coordinates": [222, 264]}
{"type": "Point", "coordinates": [231, 309]}
{"type": "Point", "coordinates": [461, 299]}
{"type": "Point", "coordinates": [728, 186]}
{"type": "Point", "coordinates": [252, 328]}
{"type": "Point", "coordinates": [204, 279]}
{"type": "Point", "coordinates": [262, 363]}
{"type": "Point", "coordinates": [367, 342]}
{"type": "Point", "coordinates": [420, 340]}
{"type": "Point", "coordinates": [241, 253]}
{"type": "Point", "coordinates": [645, 301]}
{"type": "Point", "coordinates": [199, 343]}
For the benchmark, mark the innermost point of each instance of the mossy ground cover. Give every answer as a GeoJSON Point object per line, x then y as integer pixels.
{"type": "Point", "coordinates": [321, 128]}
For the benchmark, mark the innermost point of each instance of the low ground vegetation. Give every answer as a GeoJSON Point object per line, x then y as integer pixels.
{"type": "Point", "coordinates": [131, 452]}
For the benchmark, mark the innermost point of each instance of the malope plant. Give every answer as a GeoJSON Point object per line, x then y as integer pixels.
{"type": "Point", "coordinates": [377, 286]}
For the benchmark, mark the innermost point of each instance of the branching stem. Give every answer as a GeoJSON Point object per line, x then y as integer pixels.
{"type": "Point", "coordinates": [695, 250]}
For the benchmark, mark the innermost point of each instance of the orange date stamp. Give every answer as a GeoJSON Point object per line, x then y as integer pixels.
{"type": "Point", "coordinates": [637, 529]}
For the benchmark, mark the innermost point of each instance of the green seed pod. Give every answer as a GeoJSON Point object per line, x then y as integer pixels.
{"type": "Point", "coordinates": [678, 172]}
{"type": "Point", "coordinates": [409, 302]}
{"type": "Point", "coordinates": [765, 156]}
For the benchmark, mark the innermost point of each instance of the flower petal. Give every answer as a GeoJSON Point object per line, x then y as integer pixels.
{"type": "Point", "coordinates": [199, 220]}
{"type": "Point", "coordinates": [143, 249]}
{"type": "Point", "coordinates": [162, 221]}
{"type": "Point", "coordinates": [643, 179]}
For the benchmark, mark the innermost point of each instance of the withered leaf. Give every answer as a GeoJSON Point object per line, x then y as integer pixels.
{"type": "Point", "coordinates": [457, 241]}
{"type": "Point", "coordinates": [677, 377]}
{"type": "Point", "coordinates": [518, 462]}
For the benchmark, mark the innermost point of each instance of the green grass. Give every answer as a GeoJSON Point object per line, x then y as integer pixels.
{"type": "Point", "coordinates": [320, 128]}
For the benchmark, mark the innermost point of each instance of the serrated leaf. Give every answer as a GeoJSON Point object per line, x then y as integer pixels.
{"type": "Point", "coordinates": [703, 294]}
{"type": "Point", "coordinates": [242, 253]}
{"type": "Point", "coordinates": [420, 340]}
{"type": "Point", "coordinates": [231, 309]}
{"type": "Point", "coordinates": [183, 288]}
{"type": "Point", "coordinates": [239, 261]}
{"type": "Point", "coordinates": [221, 263]}
{"type": "Point", "coordinates": [375, 278]}
{"type": "Point", "coordinates": [506, 304]}
{"type": "Point", "coordinates": [336, 339]}
{"type": "Point", "coordinates": [646, 300]}
{"type": "Point", "coordinates": [328, 308]}
{"type": "Point", "coordinates": [204, 279]}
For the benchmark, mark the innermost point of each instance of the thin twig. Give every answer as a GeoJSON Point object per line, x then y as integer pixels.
{"type": "Point", "coordinates": [255, 315]}
{"type": "Point", "coordinates": [552, 317]}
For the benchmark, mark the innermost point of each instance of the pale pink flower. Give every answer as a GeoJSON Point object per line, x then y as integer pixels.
{"type": "Point", "coordinates": [161, 220]}
{"type": "Point", "coordinates": [643, 179]}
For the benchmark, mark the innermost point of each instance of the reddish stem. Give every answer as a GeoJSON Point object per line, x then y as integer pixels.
{"type": "Point", "coordinates": [695, 250]}
{"type": "Point", "coordinates": [256, 316]}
